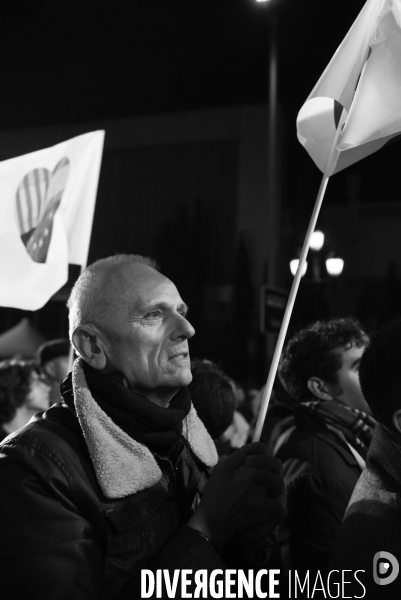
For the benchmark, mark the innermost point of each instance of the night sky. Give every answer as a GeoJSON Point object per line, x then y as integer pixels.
{"type": "Point", "coordinates": [81, 60]}
{"type": "Point", "coordinates": [70, 61]}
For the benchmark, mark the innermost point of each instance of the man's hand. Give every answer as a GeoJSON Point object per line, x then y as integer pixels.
{"type": "Point", "coordinates": [244, 492]}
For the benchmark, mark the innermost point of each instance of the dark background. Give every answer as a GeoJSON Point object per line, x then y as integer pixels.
{"type": "Point", "coordinates": [80, 61]}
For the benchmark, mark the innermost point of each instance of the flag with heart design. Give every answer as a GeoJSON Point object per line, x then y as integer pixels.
{"type": "Point", "coordinates": [46, 213]}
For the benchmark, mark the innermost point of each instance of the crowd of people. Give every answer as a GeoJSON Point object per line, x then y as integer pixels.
{"type": "Point", "coordinates": [139, 460]}
{"type": "Point", "coordinates": [28, 386]}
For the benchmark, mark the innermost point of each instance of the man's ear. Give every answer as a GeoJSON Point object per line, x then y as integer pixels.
{"type": "Point", "coordinates": [397, 420]}
{"type": "Point", "coordinates": [90, 346]}
{"type": "Point", "coordinates": [318, 388]}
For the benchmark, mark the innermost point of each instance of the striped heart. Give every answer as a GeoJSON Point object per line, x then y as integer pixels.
{"type": "Point", "coordinates": [38, 198]}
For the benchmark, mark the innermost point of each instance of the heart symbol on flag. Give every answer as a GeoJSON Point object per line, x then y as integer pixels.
{"type": "Point", "coordinates": [38, 198]}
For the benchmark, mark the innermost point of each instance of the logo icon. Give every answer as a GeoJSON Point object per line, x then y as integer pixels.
{"type": "Point", "coordinates": [385, 568]}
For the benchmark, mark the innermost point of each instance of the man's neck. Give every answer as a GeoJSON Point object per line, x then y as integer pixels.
{"type": "Point", "coordinates": [160, 397]}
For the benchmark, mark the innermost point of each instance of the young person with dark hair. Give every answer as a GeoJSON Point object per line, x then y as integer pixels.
{"type": "Point", "coordinates": [324, 449]}
{"type": "Point", "coordinates": [370, 536]}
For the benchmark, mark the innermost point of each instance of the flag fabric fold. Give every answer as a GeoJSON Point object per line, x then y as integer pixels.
{"type": "Point", "coordinates": [364, 78]}
{"type": "Point", "coordinates": [47, 201]}
{"type": "Point", "coordinates": [376, 110]}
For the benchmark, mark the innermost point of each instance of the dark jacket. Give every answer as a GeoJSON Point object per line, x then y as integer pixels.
{"type": "Point", "coordinates": [80, 516]}
{"type": "Point", "coordinates": [320, 473]}
{"type": "Point", "coordinates": [372, 522]}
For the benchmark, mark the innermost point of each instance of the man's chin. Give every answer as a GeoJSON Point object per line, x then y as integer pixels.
{"type": "Point", "coordinates": [187, 377]}
{"type": "Point", "coordinates": [182, 380]}
{"type": "Point", "coordinates": [180, 375]}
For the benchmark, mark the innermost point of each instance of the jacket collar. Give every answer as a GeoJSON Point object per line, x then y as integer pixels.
{"type": "Point", "coordinates": [384, 459]}
{"type": "Point", "coordinates": [122, 465]}
{"type": "Point", "coordinates": [307, 424]}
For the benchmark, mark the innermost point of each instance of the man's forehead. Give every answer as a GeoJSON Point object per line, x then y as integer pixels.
{"type": "Point", "coordinates": [138, 284]}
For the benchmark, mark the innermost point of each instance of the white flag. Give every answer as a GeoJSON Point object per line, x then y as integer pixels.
{"type": "Point", "coordinates": [376, 110]}
{"type": "Point", "coordinates": [47, 201]}
{"type": "Point", "coordinates": [364, 78]}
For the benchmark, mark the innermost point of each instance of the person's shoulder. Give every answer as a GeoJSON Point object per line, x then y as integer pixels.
{"type": "Point", "coordinates": [373, 517]}
{"type": "Point", "coordinates": [318, 461]}
{"type": "Point", "coordinates": [319, 449]}
{"type": "Point", "coordinates": [371, 525]}
{"type": "Point", "coordinates": [372, 500]}
{"type": "Point", "coordinates": [55, 433]}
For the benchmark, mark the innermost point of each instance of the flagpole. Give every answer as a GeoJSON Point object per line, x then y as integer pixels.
{"type": "Point", "coordinates": [331, 164]}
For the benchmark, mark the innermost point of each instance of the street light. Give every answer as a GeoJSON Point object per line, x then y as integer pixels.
{"type": "Point", "coordinates": [317, 240]}
{"type": "Point", "coordinates": [294, 266]}
{"type": "Point", "coordinates": [334, 265]}
{"type": "Point", "coordinates": [324, 266]}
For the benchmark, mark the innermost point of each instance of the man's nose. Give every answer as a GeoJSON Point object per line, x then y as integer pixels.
{"type": "Point", "coordinates": [184, 328]}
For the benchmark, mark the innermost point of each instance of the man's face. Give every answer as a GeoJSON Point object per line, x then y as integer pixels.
{"type": "Point", "coordinates": [56, 368]}
{"type": "Point", "coordinates": [347, 390]}
{"type": "Point", "coordinates": [147, 332]}
{"type": "Point", "coordinates": [39, 393]}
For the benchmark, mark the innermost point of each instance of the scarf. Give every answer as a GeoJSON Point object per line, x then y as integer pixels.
{"type": "Point", "coordinates": [154, 426]}
{"type": "Point", "coordinates": [354, 424]}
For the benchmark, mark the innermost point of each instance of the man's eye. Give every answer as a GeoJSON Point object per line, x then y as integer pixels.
{"type": "Point", "coordinates": [153, 313]}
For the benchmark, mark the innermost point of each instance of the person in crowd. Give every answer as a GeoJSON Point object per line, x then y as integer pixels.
{"type": "Point", "coordinates": [213, 397]}
{"type": "Point", "coordinates": [244, 401]}
{"type": "Point", "coordinates": [324, 450]}
{"type": "Point", "coordinates": [238, 431]}
{"type": "Point", "coordinates": [119, 473]}
{"type": "Point", "coordinates": [23, 392]}
{"type": "Point", "coordinates": [52, 358]}
{"type": "Point", "coordinates": [369, 538]}
{"type": "Point", "coordinates": [279, 416]}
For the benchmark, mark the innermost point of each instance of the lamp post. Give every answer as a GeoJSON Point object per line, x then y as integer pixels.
{"type": "Point", "coordinates": [272, 142]}
{"type": "Point", "coordinates": [272, 210]}
{"type": "Point", "coordinates": [334, 266]}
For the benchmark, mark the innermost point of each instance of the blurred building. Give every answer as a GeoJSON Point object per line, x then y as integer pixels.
{"type": "Point", "coordinates": [191, 189]}
{"type": "Point", "coordinates": [361, 219]}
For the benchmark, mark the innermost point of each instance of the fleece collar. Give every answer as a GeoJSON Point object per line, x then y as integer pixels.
{"type": "Point", "coordinates": [122, 465]}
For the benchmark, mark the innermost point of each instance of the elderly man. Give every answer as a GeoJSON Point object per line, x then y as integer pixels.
{"type": "Point", "coordinates": [115, 479]}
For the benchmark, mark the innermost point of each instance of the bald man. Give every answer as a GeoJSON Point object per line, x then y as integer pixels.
{"type": "Point", "coordinates": [116, 479]}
